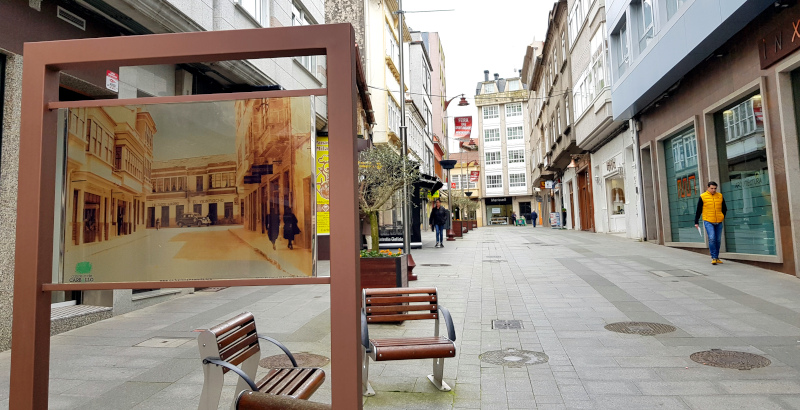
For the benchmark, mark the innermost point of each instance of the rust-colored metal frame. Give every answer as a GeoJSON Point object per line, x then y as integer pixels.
{"type": "Point", "coordinates": [30, 348]}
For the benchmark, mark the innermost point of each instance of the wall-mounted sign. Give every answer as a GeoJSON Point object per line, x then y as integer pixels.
{"type": "Point", "coordinates": [323, 188]}
{"type": "Point", "coordinates": [112, 81]}
{"type": "Point", "coordinates": [779, 43]}
{"type": "Point", "coordinates": [463, 128]}
{"type": "Point", "coordinates": [500, 200]}
{"type": "Point", "coordinates": [474, 175]}
{"type": "Point", "coordinates": [548, 184]}
{"type": "Point", "coordinates": [611, 164]}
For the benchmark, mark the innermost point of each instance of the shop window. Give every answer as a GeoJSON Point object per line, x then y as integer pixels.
{"type": "Point", "coordinates": [616, 196]}
{"type": "Point", "coordinates": [682, 185]}
{"type": "Point", "coordinates": [744, 178]}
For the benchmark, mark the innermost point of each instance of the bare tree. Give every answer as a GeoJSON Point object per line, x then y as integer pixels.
{"type": "Point", "coordinates": [380, 178]}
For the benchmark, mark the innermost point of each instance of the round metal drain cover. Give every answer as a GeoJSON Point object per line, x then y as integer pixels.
{"type": "Point", "coordinates": [640, 328]}
{"type": "Point", "coordinates": [514, 357]}
{"type": "Point", "coordinates": [434, 265]}
{"type": "Point", "coordinates": [729, 359]}
{"type": "Point", "coordinates": [303, 360]}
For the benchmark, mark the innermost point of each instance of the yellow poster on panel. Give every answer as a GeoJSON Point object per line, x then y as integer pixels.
{"type": "Point", "coordinates": [323, 188]}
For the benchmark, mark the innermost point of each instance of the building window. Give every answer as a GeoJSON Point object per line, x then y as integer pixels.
{"type": "Point", "coordinates": [394, 116]}
{"type": "Point", "coordinates": [516, 156]}
{"type": "Point", "coordinates": [491, 135]}
{"type": "Point", "coordinates": [673, 6]}
{"type": "Point", "coordinates": [392, 49]}
{"type": "Point", "coordinates": [622, 49]}
{"type": "Point", "coordinates": [744, 178]}
{"type": "Point", "coordinates": [516, 180]}
{"type": "Point", "coordinates": [491, 112]}
{"type": "Point", "coordinates": [223, 180]}
{"type": "Point", "coordinates": [646, 23]}
{"type": "Point", "coordinates": [257, 10]}
{"type": "Point", "coordinates": [301, 18]}
{"type": "Point", "coordinates": [494, 181]}
{"type": "Point", "coordinates": [199, 183]}
{"type": "Point", "coordinates": [513, 85]}
{"type": "Point", "coordinates": [577, 17]}
{"type": "Point", "coordinates": [492, 158]}
{"type": "Point", "coordinates": [513, 110]}
{"type": "Point", "coordinates": [683, 186]}
{"type": "Point", "coordinates": [514, 133]}
{"type": "Point", "coordinates": [489, 88]}
{"type": "Point", "coordinates": [564, 44]}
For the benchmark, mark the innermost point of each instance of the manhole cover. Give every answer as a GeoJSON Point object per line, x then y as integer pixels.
{"type": "Point", "coordinates": [640, 328]}
{"type": "Point", "coordinates": [303, 360]}
{"type": "Point", "coordinates": [506, 324]}
{"type": "Point", "coordinates": [163, 342]}
{"type": "Point", "coordinates": [434, 265]}
{"type": "Point", "coordinates": [514, 357]}
{"type": "Point", "coordinates": [729, 359]}
{"type": "Point", "coordinates": [494, 260]}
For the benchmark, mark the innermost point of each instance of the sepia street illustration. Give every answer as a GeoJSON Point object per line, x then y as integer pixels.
{"type": "Point", "coordinates": [189, 191]}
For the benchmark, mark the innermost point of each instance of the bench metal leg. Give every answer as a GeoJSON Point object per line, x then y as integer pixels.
{"type": "Point", "coordinates": [436, 377]}
{"type": "Point", "coordinates": [213, 380]}
{"type": "Point", "coordinates": [366, 388]}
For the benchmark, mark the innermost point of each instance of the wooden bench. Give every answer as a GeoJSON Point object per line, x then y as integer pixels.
{"type": "Point", "coordinates": [389, 305]}
{"type": "Point", "coordinates": [250, 400]}
{"type": "Point", "coordinates": [234, 346]}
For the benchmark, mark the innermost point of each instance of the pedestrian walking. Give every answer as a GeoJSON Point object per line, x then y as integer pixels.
{"type": "Point", "coordinates": [534, 218]}
{"type": "Point", "coordinates": [437, 220]}
{"type": "Point", "coordinates": [514, 219]}
{"type": "Point", "coordinates": [158, 223]}
{"type": "Point", "coordinates": [712, 206]}
{"type": "Point", "coordinates": [273, 222]}
{"type": "Point", "coordinates": [290, 228]}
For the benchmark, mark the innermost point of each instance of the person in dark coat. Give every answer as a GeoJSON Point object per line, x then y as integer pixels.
{"type": "Point", "coordinates": [438, 220]}
{"type": "Point", "coordinates": [273, 225]}
{"type": "Point", "coordinates": [290, 228]}
{"type": "Point", "coordinates": [534, 218]}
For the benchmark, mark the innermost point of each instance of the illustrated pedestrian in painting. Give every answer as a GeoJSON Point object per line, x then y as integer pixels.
{"type": "Point", "coordinates": [290, 228]}
{"type": "Point", "coordinates": [158, 223]}
{"type": "Point", "coordinates": [534, 218]}
{"type": "Point", "coordinates": [711, 206]}
{"type": "Point", "coordinates": [438, 220]}
{"type": "Point", "coordinates": [273, 222]}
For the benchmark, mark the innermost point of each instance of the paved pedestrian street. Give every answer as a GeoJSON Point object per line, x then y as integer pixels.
{"type": "Point", "coordinates": [564, 287]}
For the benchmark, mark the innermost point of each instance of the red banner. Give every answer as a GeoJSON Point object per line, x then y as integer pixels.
{"type": "Point", "coordinates": [474, 175]}
{"type": "Point", "coordinates": [463, 128]}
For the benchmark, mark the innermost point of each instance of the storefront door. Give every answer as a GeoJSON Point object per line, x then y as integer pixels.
{"type": "Point", "coordinates": [151, 217]}
{"type": "Point", "coordinates": [212, 213]}
{"type": "Point", "coordinates": [680, 163]}
{"type": "Point", "coordinates": [164, 216]}
{"type": "Point", "coordinates": [585, 200]}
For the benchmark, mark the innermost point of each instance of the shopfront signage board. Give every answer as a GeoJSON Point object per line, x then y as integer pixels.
{"type": "Point", "coordinates": [463, 128]}
{"type": "Point", "coordinates": [500, 200]}
{"type": "Point", "coordinates": [779, 43]}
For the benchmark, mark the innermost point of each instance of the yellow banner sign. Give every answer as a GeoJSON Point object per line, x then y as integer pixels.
{"type": "Point", "coordinates": [323, 188]}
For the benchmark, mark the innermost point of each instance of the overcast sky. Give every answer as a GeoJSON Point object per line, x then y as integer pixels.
{"type": "Point", "coordinates": [479, 35]}
{"type": "Point", "coordinates": [193, 129]}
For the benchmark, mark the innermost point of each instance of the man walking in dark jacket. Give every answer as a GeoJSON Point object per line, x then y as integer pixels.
{"type": "Point", "coordinates": [438, 220]}
{"type": "Point", "coordinates": [712, 207]}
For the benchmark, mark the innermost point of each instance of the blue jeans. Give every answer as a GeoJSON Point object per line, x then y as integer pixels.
{"type": "Point", "coordinates": [714, 232]}
{"type": "Point", "coordinates": [439, 233]}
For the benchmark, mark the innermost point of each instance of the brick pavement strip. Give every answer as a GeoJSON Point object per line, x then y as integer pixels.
{"type": "Point", "coordinates": [564, 286]}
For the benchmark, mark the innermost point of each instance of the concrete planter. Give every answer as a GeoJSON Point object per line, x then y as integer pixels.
{"type": "Point", "coordinates": [384, 272]}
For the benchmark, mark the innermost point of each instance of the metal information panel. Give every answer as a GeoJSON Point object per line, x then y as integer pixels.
{"type": "Point", "coordinates": [188, 191]}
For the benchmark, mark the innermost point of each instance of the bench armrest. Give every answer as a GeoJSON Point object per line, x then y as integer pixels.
{"type": "Point", "coordinates": [448, 320]}
{"type": "Point", "coordinates": [233, 368]}
{"type": "Point", "coordinates": [285, 350]}
{"type": "Point", "coordinates": [365, 331]}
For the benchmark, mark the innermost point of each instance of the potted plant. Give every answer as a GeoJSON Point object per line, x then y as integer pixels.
{"type": "Point", "coordinates": [381, 176]}
{"type": "Point", "coordinates": [384, 269]}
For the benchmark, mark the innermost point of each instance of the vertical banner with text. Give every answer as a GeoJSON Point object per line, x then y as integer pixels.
{"type": "Point", "coordinates": [463, 128]}
{"type": "Point", "coordinates": [323, 188]}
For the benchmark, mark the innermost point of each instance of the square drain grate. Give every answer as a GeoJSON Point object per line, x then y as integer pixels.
{"type": "Point", "coordinates": [506, 324]}
{"type": "Point", "coordinates": [164, 342]}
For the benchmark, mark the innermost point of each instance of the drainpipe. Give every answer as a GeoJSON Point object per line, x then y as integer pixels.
{"type": "Point", "coordinates": [634, 126]}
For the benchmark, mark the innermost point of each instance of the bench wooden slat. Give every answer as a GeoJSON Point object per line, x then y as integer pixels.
{"type": "Point", "coordinates": [230, 338]}
{"type": "Point", "coordinates": [235, 322]}
{"type": "Point", "coordinates": [277, 385]}
{"type": "Point", "coordinates": [399, 308]}
{"type": "Point", "coordinates": [400, 299]}
{"type": "Point", "coordinates": [398, 291]}
{"type": "Point", "coordinates": [238, 347]}
{"type": "Point", "coordinates": [410, 341]}
{"type": "Point", "coordinates": [310, 385]}
{"type": "Point", "coordinates": [399, 318]}
{"type": "Point", "coordinates": [298, 379]}
{"type": "Point", "coordinates": [415, 351]}
{"type": "Point", "coordinates": [238, 359]}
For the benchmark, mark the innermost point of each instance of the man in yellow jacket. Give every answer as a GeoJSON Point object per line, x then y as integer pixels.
{"type": "Point", "coordinates": [712, 206]}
